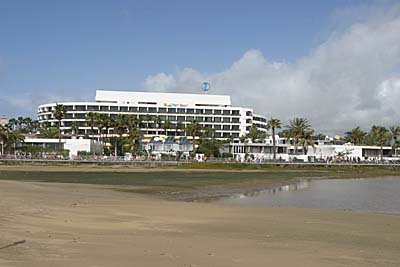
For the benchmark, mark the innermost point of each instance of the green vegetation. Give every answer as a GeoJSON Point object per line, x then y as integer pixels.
{"type": "Point", "coordinates": [158, 182]}
{"type": "Point", "coordinates": [273, 124]}
{"type": "Point", "coordinates": [59, 114]}
{"type": "Point", "coordinates": [153, 181]}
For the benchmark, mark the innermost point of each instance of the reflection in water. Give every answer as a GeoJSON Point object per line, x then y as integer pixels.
{"type": "Point", "coordinates": [284, 188]}
{"type": "Point", "coordinates": [375, 195]}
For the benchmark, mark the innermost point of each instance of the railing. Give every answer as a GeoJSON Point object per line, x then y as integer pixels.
{"type": "Point", "coordinates": [155, 163]}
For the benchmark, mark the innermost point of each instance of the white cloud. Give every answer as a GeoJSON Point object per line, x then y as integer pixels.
{"type": "Point", "coordinates": [344, 82]}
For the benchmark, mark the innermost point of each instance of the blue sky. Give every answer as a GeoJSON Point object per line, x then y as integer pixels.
{"type": "Point", "coordinates": [54, 50]}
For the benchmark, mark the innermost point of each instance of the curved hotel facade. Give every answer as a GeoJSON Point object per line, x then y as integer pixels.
{"type": "Point", "coordinates": [212, 111]}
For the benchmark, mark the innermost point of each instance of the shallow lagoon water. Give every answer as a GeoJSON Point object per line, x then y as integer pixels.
{"type": "Point", "coordinates": [372, 195]}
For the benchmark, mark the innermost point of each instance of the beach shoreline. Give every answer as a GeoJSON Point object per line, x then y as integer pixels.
{"type": "Point", "coordinates": [82, 225]}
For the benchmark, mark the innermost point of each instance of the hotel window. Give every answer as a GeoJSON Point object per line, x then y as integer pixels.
{"type": "Point", "coordinates": [248, 121]}
{"type": "Point", "coordinates": [123, 109]}
{"type": "Point", "coordinates": [199, 111]}
{"type": "Point", "coordinates": [226, 135]}
{"type": "Point", "coordinates": [249, 113]}
{"type": "Point", "coordinates": [80, 116]}
{"type": "Point", "coordinates": [171, 118]}
{"type": "Point", "coordinates": [217, 127]}
{"type": "Point", "coordinates": [208, 119]}
{"type": "Point", "coordinates": [217, 111]}
{"type": "Point", "coordinates": [162, 117]}
{"type": "Point", "coordinates": [181, 118]}
{"type": "Point", "coordinates": [93, 108]}
{"type": "Point", "coordinates": [172, 110]}
{"type": "Point", "coordinates": [217, 119]}
{"type": "Point", "coordinates": [181, 110]}
{"type": "Point", "coordinates": [235, 112]}
{"type": "Point", "coordinates": [190, 111]}
{"type": "Point", "coordinates": [189, 118]}
{"type": "Point", "coordinates": [142, 109]}
{"type": "Point", "coordinates": [235, 120]}
{"type": "Point", "coordinates": [226, 127]}
{"type": "Point", "coordinates": [226, 112]}
{"type": "Point", "coordinates": [104, 108]}
{"type": "Point", "coordinates": [226, 119]}
{"type": "Point", "coordinates": [235, 135]}
{"type": "Point", "coordinates": [113, 108]}
{"type": "Point", "coordinates": [80, 108]}
{"type": "Point", "coordinates": [68, 116]}
{"type": "Point", "coordinates": [200, 119]}
{"type": "Point", "coordinates": [235, 127]}
{"type": "Point", "coordinates": [133, 109]}
{"type": "Point", "coordinates": [217, 135]}
{"type": "Point", "coordinates": [142, 117]}
{"type": "Point", "coordinates": [153, 110]}
{"type": "Point", "coordinates": [162, 110]}
{"type": "Point", "coordinates": [208, 111]}
{"type": "Point", "coordinates": [69, 108]}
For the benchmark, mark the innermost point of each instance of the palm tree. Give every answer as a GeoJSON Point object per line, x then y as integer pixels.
{"type": "Point", "coordinates": [59, 114]}
{"type": "Point", "coordinates": [158, 122]}
{"type": "Point", "coordinates": [20, 123]}
{"type": "Point", "coordinates": [148, 119]}
{"type": "Point", "coordinates": [47, 131]}
{"type": "Point", "coordinates": [34, 126]}
{"type": "Point", "coordinates": [107, 122]}
{"type": "Point", "coordinates": [194, 129]}
{"type": "Point", "coordinates": [91, 119]}
{"type": "Point", "coordinates": [121, 124]}
{"type": "Point", "coordinates": [356, 136]}
{"type": "Point", "coordinates": [12, 124]}
{"type": "Point", "coordinates": [74, 128]}
{"type": "Point", "coordinates": [9, 138]}
{"type": "Point", "coordinates": [307, 140]}
{"type": "Point", "coordinates": [179, 126]}
{"type": "Point", "coordinates": [297, 128]}
{"type": "Point", "coordinates": [378, 135]}
{"type": "Point", "coordinates": [134, 136]}
{"type": "Point", "coordinates": [395, 131]}
{"type": "Point", "coordinates": [166, 126]}
{"type": "Point", "coordinates": [3, 136]}
{"type": "Point", "coordinates": [27, 122]}
{"type": "Point", "coordinates": [273, 124]}
{"type": "Point", "coordinates": [255, 134]}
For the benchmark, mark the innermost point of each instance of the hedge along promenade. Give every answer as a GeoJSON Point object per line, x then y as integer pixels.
{"type": "Point", "coordinates": [196, 165]}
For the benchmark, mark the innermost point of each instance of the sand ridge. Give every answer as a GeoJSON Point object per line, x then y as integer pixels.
{"type": "Point", "coordinates": [85, 225]}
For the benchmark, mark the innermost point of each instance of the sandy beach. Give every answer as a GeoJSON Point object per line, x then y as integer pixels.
{"type": "Point", "coordinates": [87, 225]}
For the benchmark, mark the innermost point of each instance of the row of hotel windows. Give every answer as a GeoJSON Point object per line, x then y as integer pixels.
{"type": "Point", "coordinates": [154, 126]}
{"type": "Point", "coordinates": [153, 117]}
{"type": "Point", "coordinates": [259, 119]}
{"type": "Point", "coordinates": [170, 133]}
{"type": "Point", "coordinates": [150, 110]}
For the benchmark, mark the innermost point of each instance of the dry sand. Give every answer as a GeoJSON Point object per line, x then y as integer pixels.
{"type": "Point", "coordinates": [86, 225]}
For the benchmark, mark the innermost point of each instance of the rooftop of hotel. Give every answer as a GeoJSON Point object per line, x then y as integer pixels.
{"type": "Point", "coordinates": [162, 99]}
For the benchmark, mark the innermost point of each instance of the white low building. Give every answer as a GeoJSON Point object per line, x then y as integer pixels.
{"type": "Point", "coordinates": [72, 145]}
{"type": "Point", "coordinates": [322, 151]}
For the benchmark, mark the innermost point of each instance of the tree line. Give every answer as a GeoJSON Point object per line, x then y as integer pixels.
{"type": "Point", "coordinates": [126, 132]}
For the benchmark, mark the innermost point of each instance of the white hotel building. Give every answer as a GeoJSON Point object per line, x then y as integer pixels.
{"type": "Point", "coordinates": [213, 111]}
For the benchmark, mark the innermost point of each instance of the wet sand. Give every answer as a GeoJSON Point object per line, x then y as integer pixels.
{"type": "Point", "coordinates": [87, 225]}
